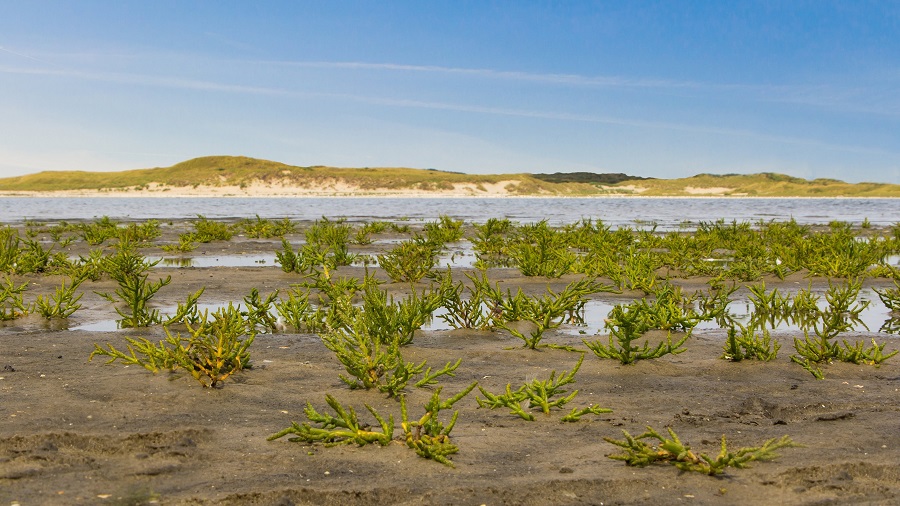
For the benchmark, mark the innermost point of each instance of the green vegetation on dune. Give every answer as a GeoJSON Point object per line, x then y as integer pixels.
{"type": "Point", "coordinates": [588, 177]}
{"type": "Point", "coordinates": [210, 170]}
{"type": "Point", "coordinates": [765, 184]}
{"type": "Point", "coordinates": [243, 171]}
{"type": "Point", "coordinates": [238, 171]}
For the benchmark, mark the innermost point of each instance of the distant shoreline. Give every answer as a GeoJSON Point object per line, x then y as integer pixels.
{"type": "Point", "coordinates": [405, 195]}
{"type": "Point", "coordinates": [243, 177]}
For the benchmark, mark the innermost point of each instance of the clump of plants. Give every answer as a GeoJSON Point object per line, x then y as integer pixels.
{"type": "Point", "coordinates": [670, 309]}
{"type": "Point", "coordinates": [99, 231]}
{"type": "Point", "coordinates": [185, 244]}
{"type": "Point", "coordinates": [843, 299]}
{"type": "Point", "coordinates": [373, 362]}
{"type": "Point", "coordinates": [91, 267]}
{"type": "Point", "coordinates": [628, 323]}
{"type": "Point", "coordinates": [328, 232]}
{"type": "Point", "coordinates": [139, 233]}
{"type": "Point", "coordinates": [428, 436]}
{"type": "Point", "coordinates": [445, 230]}
{"type": "Point", "coordinates": [544, 313]}
{"type": "Point", "coordinates": [769, 302]}
{"type": "Point", "coordinates": [713, 304]}
{"type": "Point", "coordinates": [55, 232]}
{"type": "Point", "coordinates": [259, 311]}
{"type": "Point", "coordinates": [491, 243]}
{"type": "Point", "coordinates": [364, 232]}
{"type": "Point", "coordinates": [841, 314]}
{"type": "Point", "coordinates": [298, 311]}
{"type": "Point", "coordinates": [213, 350]}
{"type": "Point", "coordinates": [838, 253]}
{"type": "Point", "coordinates": [12, 305]}
{"type": "Point", "coordinates": [326, 248]}
{"type": "Point", "coordinates": [639, 270]}
{"type": "Point", "coordinates": [813, 352]}
{"type": "Point", "coordinates": [132, 297]}
{"type": "Point", "coordinates": [369, 362]}
{"type": "Point", "coordinates": [545, 395]}
{"type": "Point", "coordinates": [331, 430]}
{"type": "Point", "coordinates": [487, 306]}
{"type": "Point", "coordinates": [25, 255]}
{"type": "Point", "coordinates": [805, 306]}
{"type": "Point", "coordinates": [478, 310]}
{"type": "Point", "coordinates": [187, 312]}
{"type": "Point", "coordinates": [744, 342]}
{"type": "Point", "coordinates": [62, 304]}
{"type": "Point", "coordinates": [890, 297]}
{"type": "Point", "coordinates": [334, 305]}
{"type": "Point", "coordinates": [541, 251]}
{"type": "Point", "coordinates": [636, 451]}
{"type": "Point", "coordinates": [324, 303]}
{"type": "Point", "coordinates": [206, 230]}
{"type": "Point", "coordinates": [262, 228]}
{"type": "Point", "coordinates": [389, 319]}
{"type": "Point", "coordinates": [409, 261]}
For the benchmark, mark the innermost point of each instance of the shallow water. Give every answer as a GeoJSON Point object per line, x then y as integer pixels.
{"type": "Point", "coordinates": [201, 261]}
{"type": "Point", "coordinates": [113, 324]}
{"type": "Point", "coordinates": [637, 212]}
{"type": "Point", "coordinates": [874, 318]}
{"type": "Point", "coordinates": [642, 212]}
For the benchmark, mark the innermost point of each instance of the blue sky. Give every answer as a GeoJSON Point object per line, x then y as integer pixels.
{"type": "Point", "coordinates": [660, 89]}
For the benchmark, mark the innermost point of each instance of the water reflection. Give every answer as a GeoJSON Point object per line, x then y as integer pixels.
{"type": "Point", "coordinates": [255, 260]}
{"type": "Point", "coordinates": [590, 321]}
{"type": "Point", "coordinates": [874, 318]}
{"type": "Point", "coordinates": [113, 325]}
{"type": "Point", "coordinates": [890, 326]}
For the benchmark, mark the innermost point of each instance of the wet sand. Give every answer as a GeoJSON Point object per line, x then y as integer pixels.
{"type": "Point", "coordinates": [79, 432]}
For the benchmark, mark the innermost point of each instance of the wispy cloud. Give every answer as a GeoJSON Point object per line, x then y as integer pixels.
{"type": "Point", "coordinates": [610, 120]}
{"type": "Point", "coordinates": [860, 99]}
{"type": "Point", "coordinates": [148, 80]}
{"type": "Point", "coordinates": [881, 99]}
{"type": "Point", "coordinates": [872, 95]}
{"type": "Point", "coordinates": [21, 55]}
{"type": "Point", "coordinates": [549, 78]}
{"type": "Point", "coordinates": [213, 86]}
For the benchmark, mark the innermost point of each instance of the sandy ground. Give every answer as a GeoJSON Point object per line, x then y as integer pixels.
{"type": "Point", "coordinates": [713, 192]}
{"type": "Point", "coordinates": [79, 432]}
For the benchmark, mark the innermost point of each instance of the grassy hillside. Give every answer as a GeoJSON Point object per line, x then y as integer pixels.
{"type": "Point", "coordinates": [242, 171]}
{"type": "Point", "coordinates": [234, 171]}
{"type": "Point", "coordinates": [765, 184]}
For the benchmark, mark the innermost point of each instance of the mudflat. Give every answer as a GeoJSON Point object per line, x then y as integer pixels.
{"type": "Point", "coordinates": [80, 432]}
